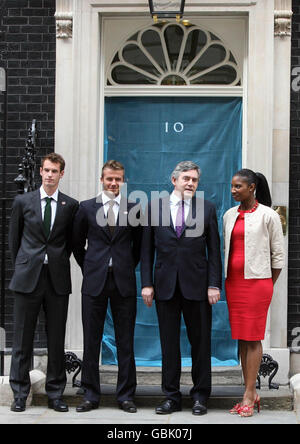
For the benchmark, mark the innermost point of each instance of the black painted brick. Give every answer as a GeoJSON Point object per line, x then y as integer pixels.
{"type": "Point", "coordinates": [28, 54]}
{"type": "Point", "coordinates": [294, 204]}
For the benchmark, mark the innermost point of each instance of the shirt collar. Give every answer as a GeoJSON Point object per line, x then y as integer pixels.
{"type": "Point", "coordinates": [44, 194]}
{"type": "Point", "coordinates": [175, 199]}
{"type": "Point", "coordinates": [106, 198]}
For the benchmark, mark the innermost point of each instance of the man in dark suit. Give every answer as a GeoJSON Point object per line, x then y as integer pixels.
{"type": "Point", "coordinates": [108, 266]}
{"type": "Point", "coordinates": [187, 281]}
{"type": "Point", "coordinates": [40, 242]}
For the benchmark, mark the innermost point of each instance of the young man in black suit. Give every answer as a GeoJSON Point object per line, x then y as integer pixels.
{"type": "Point", "coordinates": [41, 244]}
{"type": "Point", "coordinates": [108, 265]}
{"type": "Point", "coordinates": [187, 280]}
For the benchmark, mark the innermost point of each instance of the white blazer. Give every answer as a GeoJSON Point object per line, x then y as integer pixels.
{"type": "Point", "coordinates": [264, 242]}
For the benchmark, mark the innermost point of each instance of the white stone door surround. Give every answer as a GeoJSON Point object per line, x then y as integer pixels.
{"type": "Point", "coordinates": [80, 79]}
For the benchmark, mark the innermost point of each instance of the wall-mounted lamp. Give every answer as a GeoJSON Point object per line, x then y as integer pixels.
{"type": "Point", "coordinates": [164, 9]}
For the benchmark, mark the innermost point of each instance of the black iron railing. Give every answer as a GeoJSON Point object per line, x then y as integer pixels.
{"type": "Point", "coordinates": [26, 178]}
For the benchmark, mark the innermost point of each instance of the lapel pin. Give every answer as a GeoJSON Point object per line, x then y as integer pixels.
{"type": "Point", "coordinates": [63, 203]}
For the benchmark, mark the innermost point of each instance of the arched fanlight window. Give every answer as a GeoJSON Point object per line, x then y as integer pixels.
{"type": "Point", "coordinates": [174, 54]}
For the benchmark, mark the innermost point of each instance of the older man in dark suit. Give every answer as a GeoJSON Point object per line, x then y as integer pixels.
{"type": "Point", "coordinates": [41, 244]}
{"type": "Point", "coordinates": [183, 232]}
{"type": "Point", "coordinates": [108, 266]}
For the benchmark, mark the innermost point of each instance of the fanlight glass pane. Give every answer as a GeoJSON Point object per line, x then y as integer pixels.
{"type": "Point", "coordinates": [152, 43]}
{"type": "Point", "coordinates": [122, 75]}
{"type": "Point", "coordinates": [214, 55]}
{"type": "Point", "coordinates": [195, 43]}
{"type": "Point", "coordinates": [221, 76]}
{"type": "Point", "coordinates": [173, 39]}
{"type": "Point", "coordinates": [133, 55]}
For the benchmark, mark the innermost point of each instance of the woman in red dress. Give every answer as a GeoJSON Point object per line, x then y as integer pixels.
{"type": "Point", "coordinates": [254, 257]}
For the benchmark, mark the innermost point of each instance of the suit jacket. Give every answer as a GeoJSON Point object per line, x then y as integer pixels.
{"type": "Point", "coordinates": [194, 261]}
{"type": "Point", "coordinates": [29, 245]}
{"type": "Point", "coordinates": [123, 247]}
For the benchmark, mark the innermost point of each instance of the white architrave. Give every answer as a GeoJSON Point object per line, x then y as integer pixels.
{"type": "Point", "coordinates": [281, 165]}
{"type": "Point", "coordinates": [80, 102]}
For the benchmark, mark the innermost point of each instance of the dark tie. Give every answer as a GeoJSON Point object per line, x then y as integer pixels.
{"type": "Point", "coordinates": [180, 218]}
{"type": "Point", "coordinates": [47, 216]}
{"type": "Point", "coordinates": [111, 217]}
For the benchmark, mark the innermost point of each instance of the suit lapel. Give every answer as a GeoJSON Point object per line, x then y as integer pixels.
{"type": "Point", "coordinates": [191, 215]}
{"type": "Point", "coordinates": [195, 219]}
{"type": "Point", "coordinates": [59, 213]}
{"type": "Point", "coordinates": [165, 211]}
{"type": "Point", "coordinates": [101, 218]}
{"type": "Point", "coordinates": [122, 219]}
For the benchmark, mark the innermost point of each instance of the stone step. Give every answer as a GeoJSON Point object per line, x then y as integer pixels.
{"type": "Point", "coordinates": [152, 375]}
{"type": "Point", "coordinates": [223, 397]}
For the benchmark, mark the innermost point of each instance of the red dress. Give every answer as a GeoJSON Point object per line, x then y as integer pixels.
{"type": "Point", "coordinates": [248, 299]}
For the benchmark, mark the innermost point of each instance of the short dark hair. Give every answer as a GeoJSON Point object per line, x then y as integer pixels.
{"type": "Point", "coordinates": [183, 166]}
{"type": "Point", "coordinates": [113, 165]}
{"type": "Point", "coordinates": [54, 158]}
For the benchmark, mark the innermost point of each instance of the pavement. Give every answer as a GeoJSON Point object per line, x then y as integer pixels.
{"type": "Point", "coordinates": [144, 415]}
{"type": "Point", "coordinates": [277, 408]}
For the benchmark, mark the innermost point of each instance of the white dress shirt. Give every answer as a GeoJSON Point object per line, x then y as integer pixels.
{"type": "Point", "coordinates": [54, 200]}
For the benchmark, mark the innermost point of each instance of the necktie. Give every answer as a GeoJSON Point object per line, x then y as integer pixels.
{"type": "Point", "coordinates": [47, 216]}
{"type": "Point", "coordinates": [111, 217]}
{"type": "Point", "coordinates": [180, 218]}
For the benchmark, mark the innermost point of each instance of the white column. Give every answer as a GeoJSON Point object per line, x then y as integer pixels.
{"type": "Point", "coordinates": [277, 321]}
{"type": "Point", "coordinates": [260, 88]}
{"type": "Point", "coordinates": [281, 158]}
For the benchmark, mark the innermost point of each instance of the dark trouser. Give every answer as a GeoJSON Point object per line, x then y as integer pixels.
{"type": "Point", "coordinates": [197, 316]}
{"type": "Point", "coordinates": [123, 310]}
{"type": "Point", "coordinates": [26, 310]}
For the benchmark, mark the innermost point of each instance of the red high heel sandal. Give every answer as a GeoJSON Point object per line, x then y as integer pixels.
{"type": "Point", "coordinates": [235, 409]}
{"type": "Point", "coordinates": [246, 411]}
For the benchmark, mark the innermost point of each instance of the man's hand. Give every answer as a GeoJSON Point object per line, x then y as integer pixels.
{"type": "Point", "coordinates": [213, 295]}
{"type": "Point", "coordinates": [148, 294]}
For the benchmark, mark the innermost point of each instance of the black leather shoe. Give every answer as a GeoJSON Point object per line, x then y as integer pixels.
{"type": "Point", "coordinates": [86, 406]}
{"type": "Point", "coordinates": [128, 406]}
{"type": "Point", "coordinates": [19, 405]}
{"type": "Point", "coordinates": [58, 405]}
{"type": "Point", "coordinates": [199, 408]}
{"type": "Point", "coordinates": [168, 406]}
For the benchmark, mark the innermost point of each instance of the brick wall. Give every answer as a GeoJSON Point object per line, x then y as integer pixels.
{"type": "Point", "coordinates": [294, 210]}
{"type": "Point", "coordinates": [28, 53]}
